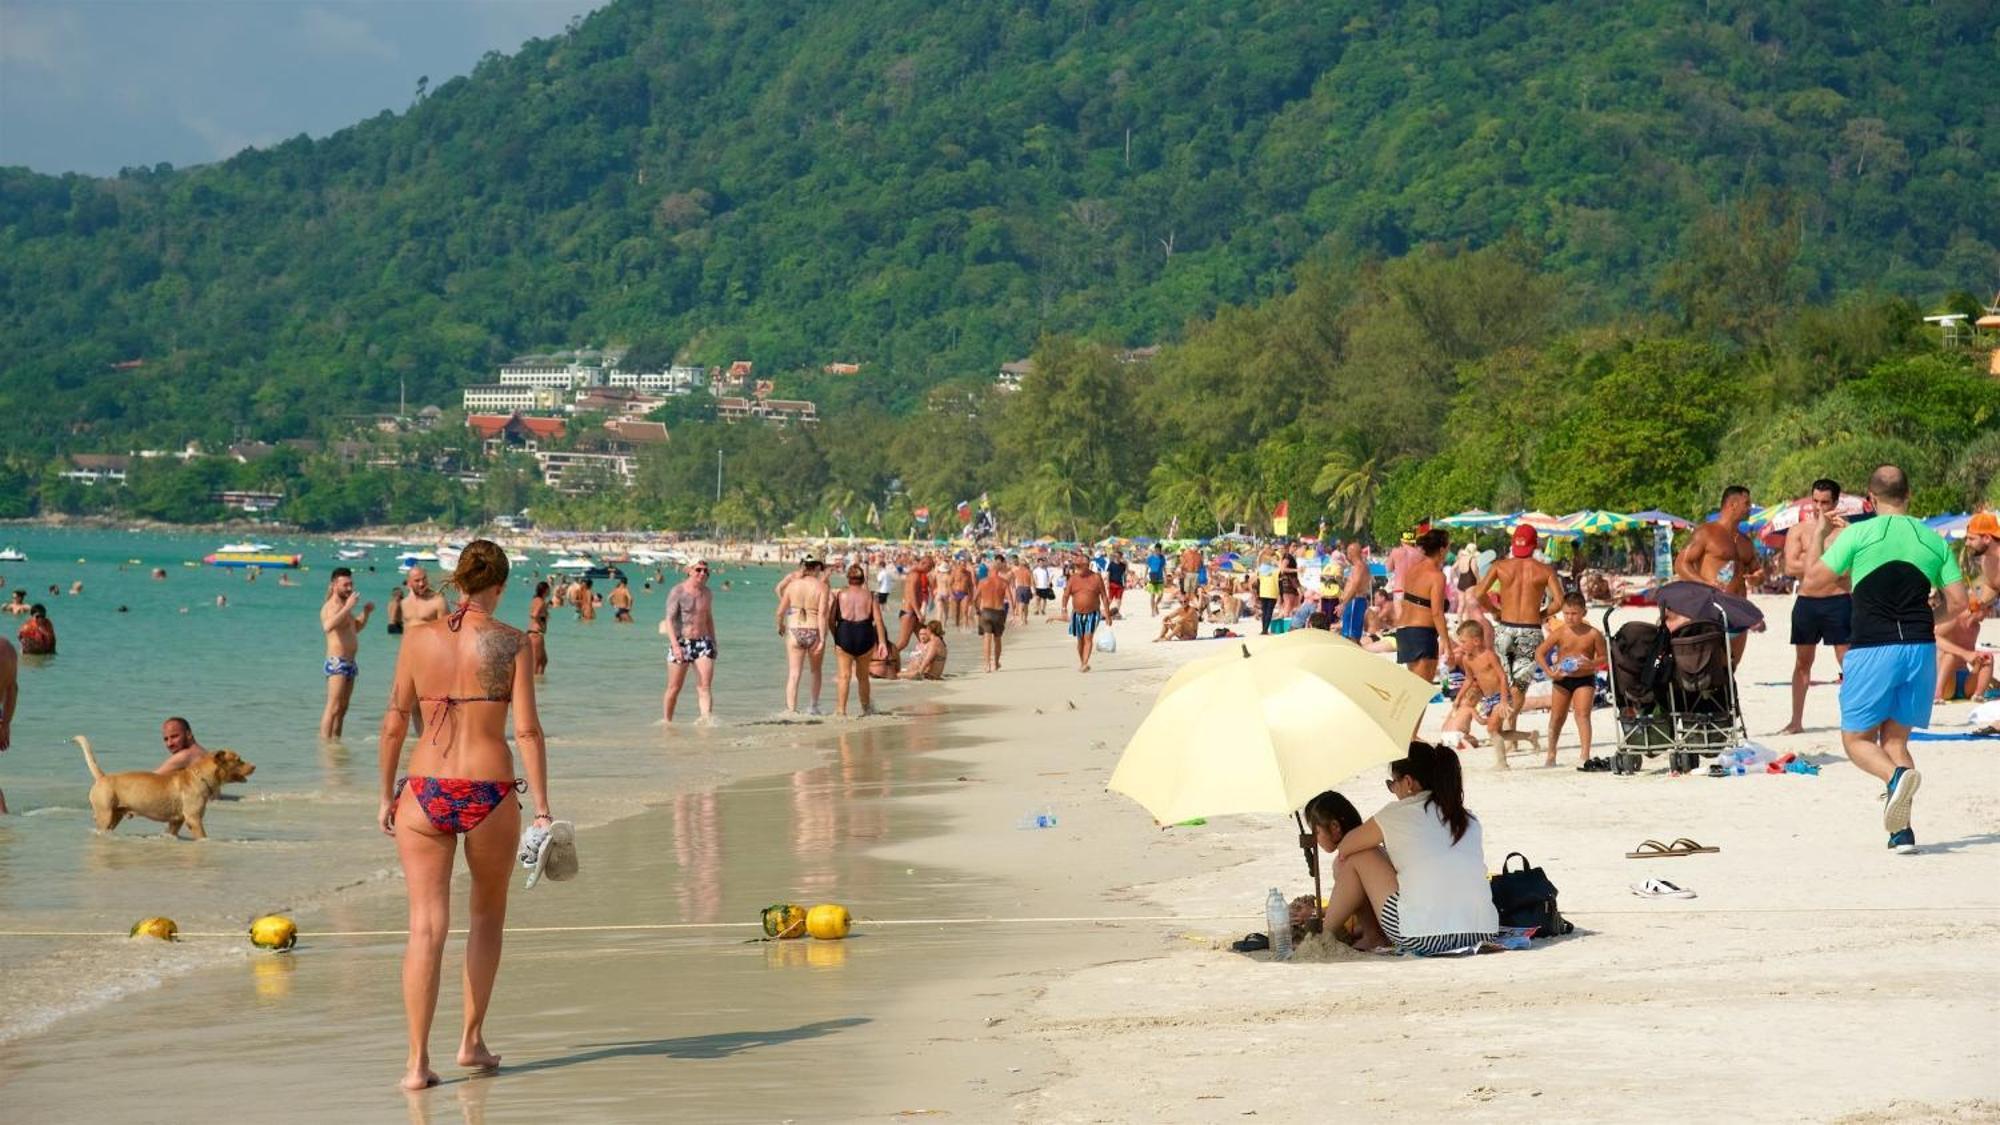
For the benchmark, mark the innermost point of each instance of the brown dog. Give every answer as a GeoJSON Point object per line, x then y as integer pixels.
{"type": "Point", "coordinates": [176, 798]}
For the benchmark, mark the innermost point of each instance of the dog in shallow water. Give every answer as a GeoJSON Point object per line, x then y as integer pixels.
{"type": "Point", "coordinates": [175, 798]}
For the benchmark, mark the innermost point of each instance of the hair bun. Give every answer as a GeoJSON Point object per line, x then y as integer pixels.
{"type": "Point", "coordinates": [481, 566]}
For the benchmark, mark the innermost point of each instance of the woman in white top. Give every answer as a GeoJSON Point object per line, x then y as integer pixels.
{"type": "Point", "coordinates": [1420, 863]}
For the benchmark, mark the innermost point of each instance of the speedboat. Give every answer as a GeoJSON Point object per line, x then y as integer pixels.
{"type": "Point", "coordinates": [349, 554]}
{"type": "Point", "coordinates": [413, 557]}
{"type": "Point", "coordinates": [244, 549]}
{"type": "Point", "coordinates": [259, 555]}
{"type": "Point", "coordinates": [12, 555]}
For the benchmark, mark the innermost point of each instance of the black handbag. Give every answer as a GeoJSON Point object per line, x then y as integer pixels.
{"type": "Point", "coordinates": [1526, 898]}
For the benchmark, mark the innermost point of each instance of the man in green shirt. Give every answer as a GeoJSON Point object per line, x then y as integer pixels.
{"type": "Point", "coordinates": [1894, 562]}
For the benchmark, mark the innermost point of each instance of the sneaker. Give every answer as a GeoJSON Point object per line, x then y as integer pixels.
{"type": "Point", "coordinates": [1904, 842]}
{"type": "Point", "coordinates": [1903, 786]}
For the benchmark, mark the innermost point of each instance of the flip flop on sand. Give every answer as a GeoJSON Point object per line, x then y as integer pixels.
{"type": "Point", "coordinates": [1685, 846]}
{"type": "Point", "coordinates": [1653, 849]}
{"type": "Point", "coordinates": [1660, 888]}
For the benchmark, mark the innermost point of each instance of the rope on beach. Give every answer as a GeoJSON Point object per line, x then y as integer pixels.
{"type": "Point", "coordinates": [636, 927]}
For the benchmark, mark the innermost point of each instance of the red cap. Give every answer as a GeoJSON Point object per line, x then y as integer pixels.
{"type": "Point", "coordinates": [1524, 541]}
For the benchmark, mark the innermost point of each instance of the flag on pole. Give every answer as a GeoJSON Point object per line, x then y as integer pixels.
{"type": "Point", "coordinates": [921, 515]}
{"type": "Point", "coordinates": [1281, 519]}
{"type": "Point", "coordinates": [1174, 528]}
{"type": "Point", "coordinates": [874, 517]}
{"type": "Point", "coordinates": [965, 511]}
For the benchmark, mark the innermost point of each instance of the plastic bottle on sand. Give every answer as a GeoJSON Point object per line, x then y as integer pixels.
{"type": "Point", "coordinates": [1278, 918]}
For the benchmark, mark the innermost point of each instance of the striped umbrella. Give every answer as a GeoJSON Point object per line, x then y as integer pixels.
{"type": "Point", "coordinates": [1597, 521]}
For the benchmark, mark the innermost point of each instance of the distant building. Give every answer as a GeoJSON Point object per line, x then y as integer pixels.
{"type": "Point", "coordinates": [842, 369]}
{"type": "Point", "coordinates": [679, 379]}
{"type": "Point", "coordinates": [97, 468]}
{"type": "Point", "coordinates": [245, 452]}
{"type": "Point", "coordinates": [494, 398]}
{"type": "Point", "coordinates": [618, 400]}
{"type": "Point", "coordinates": [778, 412]}
{"type": "Point", "coordinates": [634, 431]}
{"type": "Point", "coordinates": [563, 371]}
{"type": "Point", "coordinates": [572, 472]}
{"type": "Point", "coordinates": [1011, 374]}
{"type": "Point", "coordinates": [499, 432]}
{"type": "Point", "coordinates": [256, 502]}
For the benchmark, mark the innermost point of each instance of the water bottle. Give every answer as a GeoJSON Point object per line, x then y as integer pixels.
{"type": "Point", "coordinates": [1043, 819]}
{"type": "Point", "coordinates": [1278, 919]}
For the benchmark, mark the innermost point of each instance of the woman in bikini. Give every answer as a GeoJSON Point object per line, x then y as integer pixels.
{"type": "Point", "coordinates": [801, 608]}
{"type": "Point", "coordinates": [1420, 617]}
{"type": "Point", "coordinates": [854, 618]}
{"type": "Point", "coordinates": [464, 671]}
{"type": "Point", "coordinates": [538, 627]}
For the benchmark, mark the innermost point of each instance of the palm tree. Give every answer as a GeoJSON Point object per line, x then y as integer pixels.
{"type": "Point", "coordinates": [1189, 478]}
{"type": "Point", "coordinates": [1351, 480]}
{"type": "Point", "coordinates": [1059, 498]}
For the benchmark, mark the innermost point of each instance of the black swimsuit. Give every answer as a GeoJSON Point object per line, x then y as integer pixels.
{"type": "Point", "coordinates": [855, 638]}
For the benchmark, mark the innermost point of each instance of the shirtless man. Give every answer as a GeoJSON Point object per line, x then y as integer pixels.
{"type": "Point", "coordinates": [961, 593]}
{"type": "Point", "coordinates": [1354, 595]}
{"type": "Point", "coordinates": [1188, 577]}
{"type": "Point", "coordinates": [1529, 593]}
{"type": "Point", "coordinates": [1488, 696]}
{"type": "Point", "coordinates": [10, 697]}
{"type": "Point", "coordinates": [689, 626]}
{"type": "Point", "coordinates": [801, 611]}
{"type": "Point", "coordinates": [1982, 535]}
{"type": "Point", "coordinates": [19, 605]}
{"type": "Point", "coordinates": [621, 602]}
{"type": "Point", "coordinates": [423, 603]}
{"type": "Point", "coordinates": [1083, 600]}
{"type": "Point", "coordinates": [1823, 612]}
{"type": "Point", "coordinates": [991, 599]}
{"type": "Point", "coordinates": [1720, 555]}
{"type": "Point", "coordinates": [1024, 588]}
{"type": "Point", "coordinates": [916, 592]}
{"type": "Point", "coordinates": [586, 600]}
{"type": "Point", "coordinates": [1570, 658]}
{"type": "Point", "coordinates": [182, 750]}
{"type": "Point", "coordinates": [342, 628]}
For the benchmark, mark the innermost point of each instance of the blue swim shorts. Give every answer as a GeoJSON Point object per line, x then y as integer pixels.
{"type": "Point", "coordinates": [341, 666]}
{"type": "Point", "coordinates": [1354, 618]}
{"type": "Point", "coordinates": [1887, 683]}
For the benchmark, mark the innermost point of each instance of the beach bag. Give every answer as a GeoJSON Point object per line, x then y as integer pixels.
{"type": "Point", "coordinates": [1107, 641]}
{"type": "Point", "coordinates": [1527, 898]}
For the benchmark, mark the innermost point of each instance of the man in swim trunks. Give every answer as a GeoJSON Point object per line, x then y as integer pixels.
{"type": "Point", "coordinates": [1156, 576]}
{"type": "Point", "coordinates": [991, 599]}
{"type": "Point", "coordinates": [1187, 574]}
{"type": "Point", "coordinates": [1570, 658]}
{"type": "Point", "coordinates": [621, 602]}
{"type": "Point", "coordinates": [342, 628]}
{"type": "Point", "coordinates": [1360, 583]}
{"type": "Point", "coordinates": [1114, 584]}
{"type": "Point", "coordinates": [1529, 593]}
{"type": "Point", "coordinates": [182, 750]}
{"type": "Point", "coordinates": [1083, 599]}
{"type": "Point", "coordinates": [1024, 588]}
{"type": "Point", "coordinates": [422, 603]}
{"type": "Point", "coordinates": [1043, 577]}
{"type": "Point", "coordinates": [1894, 562]}
{"type": "Point", "coordinates": [689, 625]}
{"type": "Point", "coordinates": [1718, 554]}
{"type": "Point", "coordinates": [916, 594]}
{"type": "Point", "coordinates": [1822, 614]}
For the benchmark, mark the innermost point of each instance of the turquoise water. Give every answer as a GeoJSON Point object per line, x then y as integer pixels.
{"type": "Point", "coordinates": [248, 677]}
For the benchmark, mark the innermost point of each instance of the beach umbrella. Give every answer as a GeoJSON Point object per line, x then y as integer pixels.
{"type": "Point", "coordinates": [1654, 515]}
{"type": "Point", "coordinates": [1951, 526]}
{"type": "Point", "coordinates": [1702, 602]}
{"type": "Point", "coordinates": [1596, 521]}
{"type": "Point", "coordinates": [1269, 731]}
{"type": "Point", "coordinates": [1476, 517]}
{"type": "Point", "coordinates": [1255, 646]}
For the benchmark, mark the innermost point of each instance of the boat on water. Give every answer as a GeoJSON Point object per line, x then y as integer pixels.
{"type": "Point", "coordinates": [351, 553]}
{"type": "Point", "coordinates": [11, 554]}
{"type": "Point", "coordinates": [414, 557]}
{"type": "Point", "coordinates": [260, 555]}
{"type": "Point", "coordinates": [582, 566]}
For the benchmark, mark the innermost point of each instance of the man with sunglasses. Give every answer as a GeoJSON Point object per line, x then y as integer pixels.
{"type": "Point", "coordinates": [689, 625]}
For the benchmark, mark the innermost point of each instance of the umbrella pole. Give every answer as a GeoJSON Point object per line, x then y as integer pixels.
{"type": "Point", "coordinates": [1311, 847]}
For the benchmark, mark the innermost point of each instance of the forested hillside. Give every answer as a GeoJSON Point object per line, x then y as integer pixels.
{"type": "Point", "coordinates": [931, 187]}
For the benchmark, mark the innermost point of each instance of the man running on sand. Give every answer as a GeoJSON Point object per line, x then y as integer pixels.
{"type": "Point", "coordinates": [422, 603]}
{"type": "Point", "coordinates": [1083, 600]}
{"type": "Point", "coordinates": [1570, 658]}
{"type": "Point", "coordinates": [689, 625]}
{"type": "Point", "coordinates": [1822, 614]}
{"type": "Point", "coordinates": [342, 628]}
{"type": "Point", "coordinates": [1894, 562]}
{"type": "Point", "coordinates": [1718, 554]}
{"type": "Point", "coordinates": [1529, 593]}
{"type": "Point", "coordinates": [991, 599]}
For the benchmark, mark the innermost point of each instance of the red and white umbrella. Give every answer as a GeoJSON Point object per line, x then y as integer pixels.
{"type": "Point", "coordinates": [1788, 516]}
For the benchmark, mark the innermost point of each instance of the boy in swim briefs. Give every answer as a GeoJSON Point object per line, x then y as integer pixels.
{"type": "Point", "coordinates": [1570, 656]}
{"type": "Point", "coordinates": [1488, 696]}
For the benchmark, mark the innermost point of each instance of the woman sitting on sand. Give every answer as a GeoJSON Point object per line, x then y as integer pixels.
{"type": "Point", "coordinates": [928, 663]}
{"type": "Point", "coordinates": [1415, 874]}
{"type": "Point", "coordinates": [467, 671]}
{"type": "Point", "coordinates": [1329, 817]}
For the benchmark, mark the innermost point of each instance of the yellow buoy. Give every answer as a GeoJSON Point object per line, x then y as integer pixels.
{"type": "Point", "coordinates": [274, 931]}
{"type": "Point", "coordinates": [785, 920]}
{"type": "Point", "coordinates": [162, 928]}
{"type": "Point", "coordinates": [828, 922]}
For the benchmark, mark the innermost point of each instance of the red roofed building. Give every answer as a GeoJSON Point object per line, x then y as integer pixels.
{"type": "Point", "coordinates": [515, 431]}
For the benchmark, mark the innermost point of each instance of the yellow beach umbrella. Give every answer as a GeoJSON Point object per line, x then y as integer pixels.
{"type": "Point", "coordinates": [1268, 732]}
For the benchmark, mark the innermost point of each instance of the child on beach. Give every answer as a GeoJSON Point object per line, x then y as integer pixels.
{"type": "Point", "coordinates": [1570, 656]}
{"type": "Point", "coordinates": [1488, 696]}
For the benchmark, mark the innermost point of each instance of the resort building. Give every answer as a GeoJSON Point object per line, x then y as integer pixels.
{"type": "Point", "coordinates": [572, 472]}
{"type": "Point", "coordinates": [493, 398]}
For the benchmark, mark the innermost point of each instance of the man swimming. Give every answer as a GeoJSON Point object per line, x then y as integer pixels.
{"type": "Point", "coordinates": [621, 601]}
{"type": "Point", "coordinates": [342, 628]}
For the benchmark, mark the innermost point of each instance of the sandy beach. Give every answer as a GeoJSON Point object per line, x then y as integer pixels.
{"type": "Point", "coordinates": [1080, 972]}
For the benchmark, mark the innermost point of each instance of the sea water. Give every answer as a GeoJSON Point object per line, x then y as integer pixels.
{"type": "Point", "coordinates": [133, 650]}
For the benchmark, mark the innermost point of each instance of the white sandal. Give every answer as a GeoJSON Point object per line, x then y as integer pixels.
{"type": "Point", "coordinates": [1660, 888]}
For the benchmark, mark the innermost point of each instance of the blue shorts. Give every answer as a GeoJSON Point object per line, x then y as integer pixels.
{"type": "Point", "coordinates": [1354, 618]}
{"type": "Point", "coordinates": [341, 666]}
{"type": "Point", "coordinates": [1084, 624]}
{"type": "Point", "coordinates": [1887, 683]}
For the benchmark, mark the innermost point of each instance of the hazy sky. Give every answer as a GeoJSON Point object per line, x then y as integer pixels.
{"type": "Point", "coordinates": [95, 85]}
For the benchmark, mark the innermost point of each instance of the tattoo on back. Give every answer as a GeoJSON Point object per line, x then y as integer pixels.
{"type": "Point", "coordinates": [497, 648]}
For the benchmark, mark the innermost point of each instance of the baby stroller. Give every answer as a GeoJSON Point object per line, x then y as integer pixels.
{"type": "Point", "coordinates": [1675, 693]}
